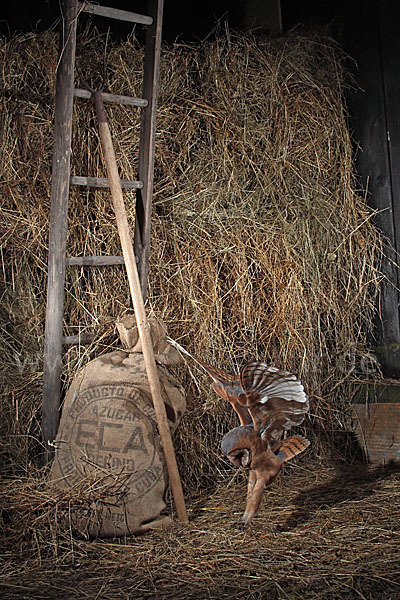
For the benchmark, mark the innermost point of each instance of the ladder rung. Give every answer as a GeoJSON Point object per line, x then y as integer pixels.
{"type": "Point", "coordinates": [115, 98]}
{"type": "Point", "coordinates": [94, 261]}
{"type": "Point", "coordinates": [83, 338]}
{"type": "Point", "coordinates": [115, 13]}
{"type": "Point", "coordinates": [102, 182]}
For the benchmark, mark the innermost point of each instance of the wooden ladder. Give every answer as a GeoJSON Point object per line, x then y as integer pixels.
{"type": "Point", "coordinates": [61, 181]}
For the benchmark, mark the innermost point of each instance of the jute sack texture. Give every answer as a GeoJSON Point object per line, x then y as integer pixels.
{"type": "Point", "coordinates": [108, 436]}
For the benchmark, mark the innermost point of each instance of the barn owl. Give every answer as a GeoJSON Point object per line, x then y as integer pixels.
{"type": "Point", "coordinates": [269, 402]}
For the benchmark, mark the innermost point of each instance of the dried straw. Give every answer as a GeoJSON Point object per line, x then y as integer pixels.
{"type": "Point", "coordinates": [321, 534]}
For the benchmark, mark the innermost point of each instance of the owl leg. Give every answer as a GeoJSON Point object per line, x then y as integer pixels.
{"type": "Point", "coordinates": [255, 489]}
{"type": "Point", "coordinates": [242, 411]}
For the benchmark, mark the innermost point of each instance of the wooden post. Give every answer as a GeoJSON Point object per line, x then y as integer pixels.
{"type": "Point", "coordinates": [147, 142]}
{"type": "Point", "coordinates": [140, 313]}
{"type": "Point", "coordinates": [58, 227]}
{"type": "Point", "coordinates": [376, 127]}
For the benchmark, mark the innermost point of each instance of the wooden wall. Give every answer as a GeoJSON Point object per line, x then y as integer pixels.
{"type": "Point", "coordinates": [372, 38]}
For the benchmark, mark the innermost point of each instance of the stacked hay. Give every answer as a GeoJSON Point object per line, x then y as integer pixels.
{"type": "Point", "coordinates": [261, 246]}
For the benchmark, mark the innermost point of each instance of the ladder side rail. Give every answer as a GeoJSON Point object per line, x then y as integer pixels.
{"type": "Point", "coordinates": [147, 142]}
{"type": "Point", "coordinates": [58, 227]}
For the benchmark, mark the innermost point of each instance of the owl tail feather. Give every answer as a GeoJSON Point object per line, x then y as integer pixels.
{"type": "Point", "coordinates": [287, 449]}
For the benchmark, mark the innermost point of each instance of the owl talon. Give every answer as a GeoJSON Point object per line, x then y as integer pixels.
{"type": "Point", "coordinates": [242, 525]}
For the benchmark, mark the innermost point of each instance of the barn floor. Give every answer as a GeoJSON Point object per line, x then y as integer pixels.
{"type": "Point", "coordinates": [323, 532]}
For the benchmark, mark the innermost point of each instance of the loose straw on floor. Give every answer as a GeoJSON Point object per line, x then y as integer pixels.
{"type": "Point", "coordinates": [140, 313]}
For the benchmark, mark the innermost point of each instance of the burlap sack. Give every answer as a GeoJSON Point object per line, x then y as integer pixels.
{"type": "Point", "coordinates": [108, 436]}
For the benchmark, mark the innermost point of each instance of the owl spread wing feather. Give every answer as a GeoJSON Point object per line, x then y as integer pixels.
{"type": "Point", "coordinates": [275, 399]}
{"type": "Point", "coordinates": [225, 385]}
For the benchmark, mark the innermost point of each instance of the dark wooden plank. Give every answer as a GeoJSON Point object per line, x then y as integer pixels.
{"type": "Point", "coordinates": [390, 60]}
{"type": "Point", "coordinates": [114, 98]}
{"type": "Point", "coordinates": [114, 13]}
{"type": "Point", "coordinates": [377, 426]}
{"type": "Point", "coordinates": [366, 393]}
{"type": "Point", "coordinates": [265, 16]}
{"type": "Point", "coordinates": [370, 125]}
{"type": "Point", "coordinates": [94, 261]}
{"type": "Point", "coordinates": [102, 182]}
{"type": "Point", "coordinates": [390, 48]}
{"type": "Point", "coordinates": [58, 226]}
{"type": "Point", "coordinates": [147, 142]}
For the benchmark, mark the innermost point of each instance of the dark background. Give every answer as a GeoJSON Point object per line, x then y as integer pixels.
{"type": "Point", "coordinates": [183, 20]}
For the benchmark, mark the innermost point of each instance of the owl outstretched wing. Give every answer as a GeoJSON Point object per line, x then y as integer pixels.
{"type": "Point", "coordinates": [275, 399]}
{"type": "Point", "coordinates": [225, 385]}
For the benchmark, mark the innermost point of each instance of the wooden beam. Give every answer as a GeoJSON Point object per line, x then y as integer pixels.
{"type": "Point", "coordinates": [58, 226]}
{"type": "Point", "coordinates": [147, 143]}
{"type": "Point", "coordinates": [80, 339]}
{"type": "Point", "coordinates": [94, 261]}
{"type": "Point", "coordinates": [140, 313]}
{"type": "Point", "coordinates": [373, 106]}
{"type": "Point", "coordinates": [115, 13]}
{"type": "Point", "coordinates": [389, 352]}
{"type": "Point", "coordinates": [114, 98]}
{"type": "Point", "coordinates": [102, 182]}
{"type": "Point", "coordinates": [390, 50]}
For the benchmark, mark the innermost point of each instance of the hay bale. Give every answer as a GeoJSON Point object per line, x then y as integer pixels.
{"type": "Point", "coordinates": [261, 245]}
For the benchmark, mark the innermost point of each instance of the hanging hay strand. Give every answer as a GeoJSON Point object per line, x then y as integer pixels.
{"type": "Point", "coordinates": [261, 248]}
